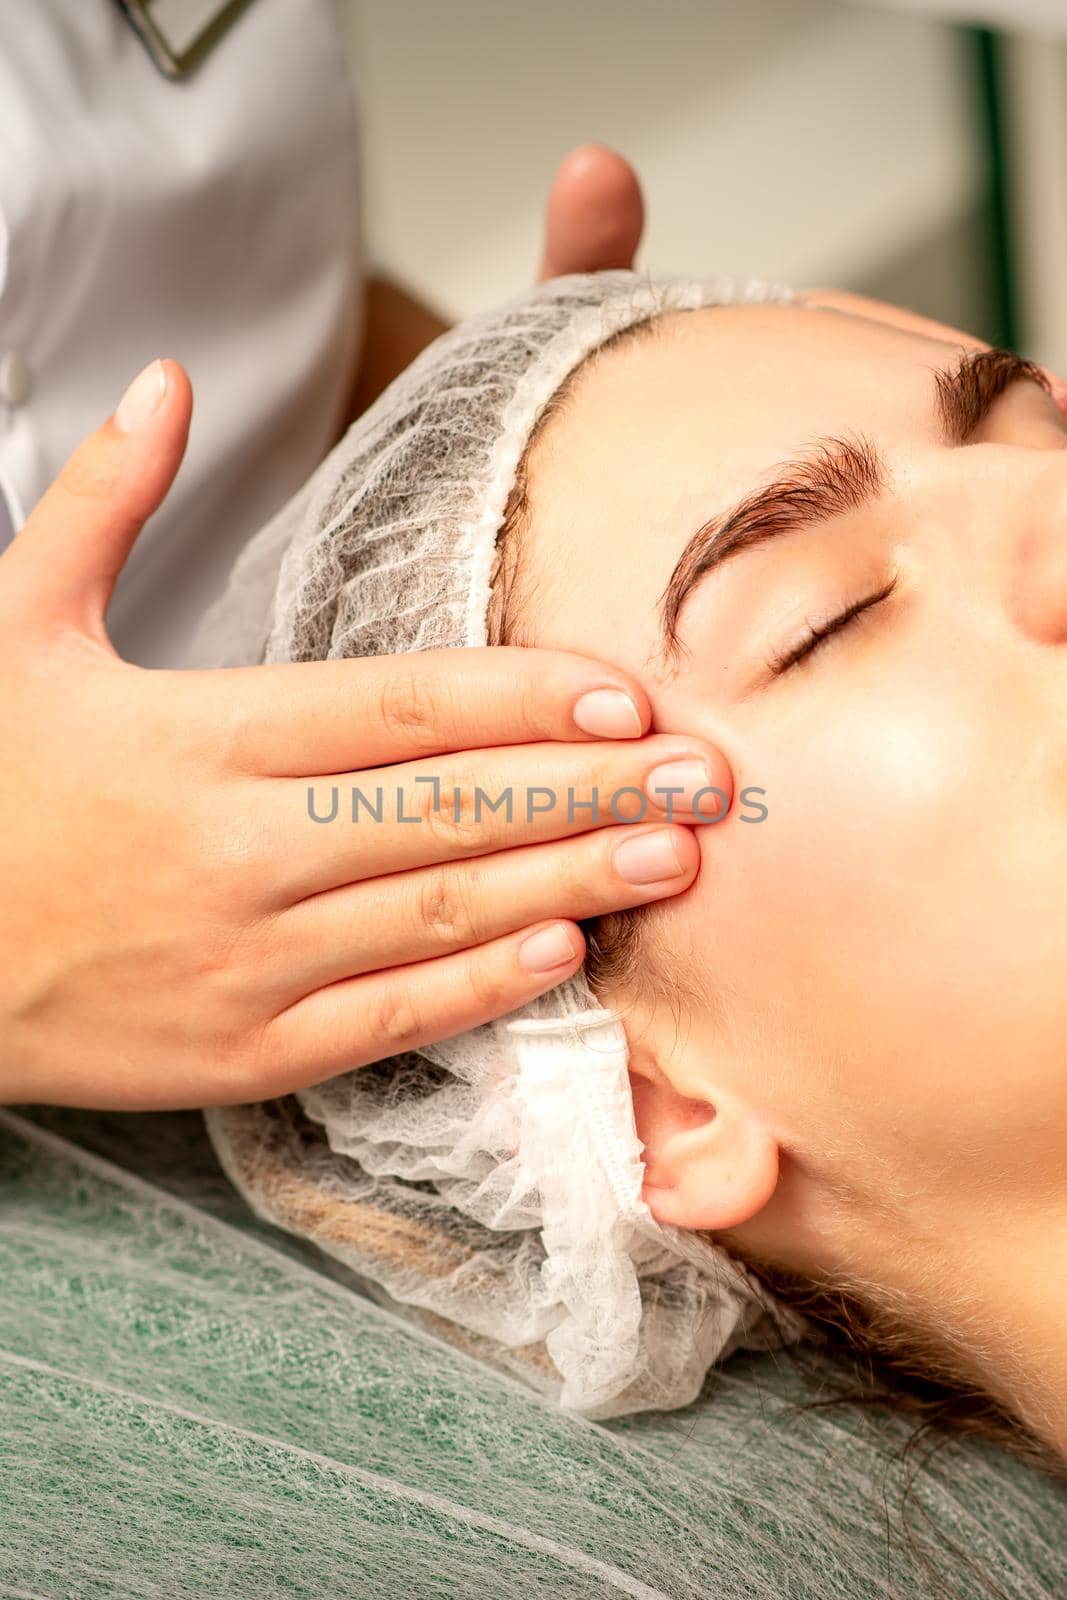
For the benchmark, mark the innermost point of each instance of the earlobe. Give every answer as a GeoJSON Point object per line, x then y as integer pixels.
{"type": "Point", "coordinates": [709, 1163]}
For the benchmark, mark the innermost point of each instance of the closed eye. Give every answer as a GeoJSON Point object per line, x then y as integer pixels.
{"type": "Point", "coordinates": [818, 633]}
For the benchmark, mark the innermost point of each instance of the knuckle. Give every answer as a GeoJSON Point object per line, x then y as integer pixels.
{"type": "Point", "coordinates": [448, 824]}
{"type": "Point", "coordinates": [246, 950]}
{"type": "Point", "coordinates": [444, 909]}
{"type": "Point", "coordinates": [394, 1018]}
{"type": "Point", "coordinates": [87, 478]}
{"type": "Point", "coordinates": [218, 731]}
{"type": "Point", "coordinates": [575, 872]}
{"type": "Point", "coordinates": [226, 898]}
{"type": "Point", "coordinates": [409, 707]}
{"type": "Point", "coordinates": [529, 703]}
{"type": "Point", "coordinates": [244, 1065]}
{"type": "Point", "coordinates": [227, 973]}
{"type": "Point", "coordinates": [235, 859]}
{"type": "Point", "coordinates": [489, 989]}
{"type": "Point", "coordinates": [557, 877]}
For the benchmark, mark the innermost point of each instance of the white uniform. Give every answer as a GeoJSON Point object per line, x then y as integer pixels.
{"type": "Point", "coordinates": [213, 218]}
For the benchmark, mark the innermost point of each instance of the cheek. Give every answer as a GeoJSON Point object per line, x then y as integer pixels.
{"type": "Point", "coordinates": [879, 929]}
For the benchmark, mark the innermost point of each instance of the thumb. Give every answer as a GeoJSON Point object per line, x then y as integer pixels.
{"type": "Point", "coordinates": [64, 562]}
{"type": "Point", "coordinates": [595, 214]}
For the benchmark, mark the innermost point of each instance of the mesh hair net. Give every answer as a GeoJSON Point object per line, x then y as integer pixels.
{"type": "Point", "coordinates": [490, 1184]}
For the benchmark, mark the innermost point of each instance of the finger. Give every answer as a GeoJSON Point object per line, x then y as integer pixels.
{"type": "Point", "coordinates": [419, 915]}
{"type": "Point", "coordinates": [595, 214]}
{"type": "Point", "coordinates": [315, 837]}
{"type": "Point", "coordinates": [305, 719]}
{"type": "Point", "coordinates": [378, 1015]}
{"type": "Point", "coordinates": [64, 562]}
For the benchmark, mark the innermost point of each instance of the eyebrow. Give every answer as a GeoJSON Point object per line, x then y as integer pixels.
{"type": "Point", "coordinates": [842, 475]}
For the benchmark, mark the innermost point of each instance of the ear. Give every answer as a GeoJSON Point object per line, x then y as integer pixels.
{"type": "Point", "coordinates": [709, 1162]}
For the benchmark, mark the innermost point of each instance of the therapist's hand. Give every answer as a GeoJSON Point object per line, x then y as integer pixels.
{"type": "Point", "coordinates": [595, 214]}
{"type": "Point", "coordinates": [176, 930]}
{"type": "Point", "coordinates": [593, 220]}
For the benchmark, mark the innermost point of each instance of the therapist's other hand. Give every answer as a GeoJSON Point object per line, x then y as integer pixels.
{"type": "Point", "coordinates": [595, 214]}
{"type": "Point", "coordinates": [593, 220]}
{"type": "Point", "coordinates": [176, 930]}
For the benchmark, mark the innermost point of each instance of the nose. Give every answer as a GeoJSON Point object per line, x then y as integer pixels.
{"type": "Point", "coordinates": [1036, 588]}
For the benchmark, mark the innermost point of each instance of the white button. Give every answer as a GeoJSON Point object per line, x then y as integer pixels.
{"type": "Point", "coordinates": [16, 384]}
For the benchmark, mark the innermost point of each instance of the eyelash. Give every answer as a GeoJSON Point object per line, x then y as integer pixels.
{"type": "Point", "coordinates": [788, 659]}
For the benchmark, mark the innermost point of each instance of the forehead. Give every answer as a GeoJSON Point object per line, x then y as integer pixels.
{"type": "Point", "coordinates": [661, 434]}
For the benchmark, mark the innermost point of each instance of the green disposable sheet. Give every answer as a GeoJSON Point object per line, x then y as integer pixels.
{"type": "Point", "coordinates": [194, 1404]}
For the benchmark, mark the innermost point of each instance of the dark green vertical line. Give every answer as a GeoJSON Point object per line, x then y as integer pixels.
{"type": "Point", "coordinates": [985, 45]}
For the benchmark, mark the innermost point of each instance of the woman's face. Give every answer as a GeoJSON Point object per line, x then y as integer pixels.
{"type": "Point", "coordinates": [886, 953]}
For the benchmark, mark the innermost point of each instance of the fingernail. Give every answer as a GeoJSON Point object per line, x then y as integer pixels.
{"type": "Point", "coordinates": [608, 713]}
{"type": "Point", "coordinates": [647, 858]}
{"type": "Point", "coordinates": [142, 398]}
{"type": "Point", "coordinates": [547, 948]}
{"type": "Point", "coordinates": [685, 779]}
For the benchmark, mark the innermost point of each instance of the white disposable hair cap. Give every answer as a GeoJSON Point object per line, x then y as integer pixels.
{"type": "Point", "coordinates": [490, 1184]}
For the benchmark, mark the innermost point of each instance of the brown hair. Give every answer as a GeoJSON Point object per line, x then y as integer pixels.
{"type": "Point", "coordinates": [892, 1364]}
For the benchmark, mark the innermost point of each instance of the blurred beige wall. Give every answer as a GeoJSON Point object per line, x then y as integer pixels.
{"type": "Point", "coordinates": [810, 140]}
{"type": "Point", "coordinates": [1048, 17]}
